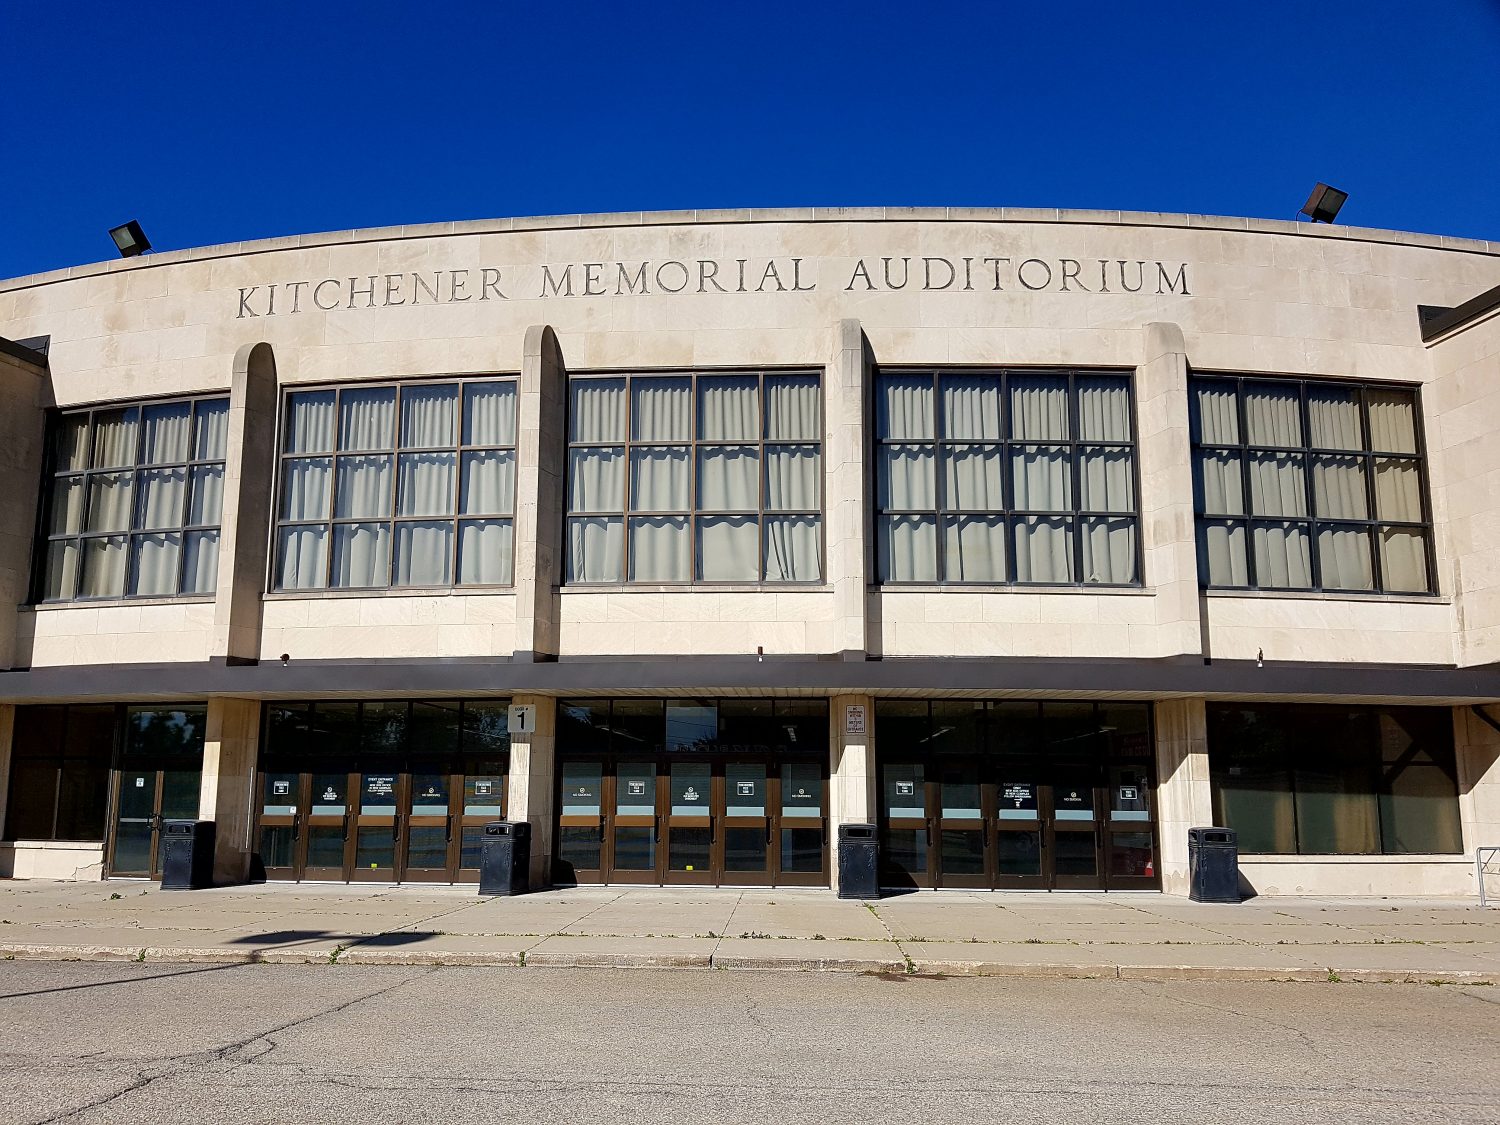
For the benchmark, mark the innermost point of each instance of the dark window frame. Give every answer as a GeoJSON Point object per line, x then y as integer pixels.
{"type": "Point", "coordinates": [1245, 451]}
{"type": "Point", "coordinates": [1006, 444]}
{"type": "Point", "coordinates": [693, 514]}
{"type": "Point", "coordinates": [394, 452]}
{"type": "Point", "coordinates": [44, 538]}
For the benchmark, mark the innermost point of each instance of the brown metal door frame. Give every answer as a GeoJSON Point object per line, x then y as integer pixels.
{"type": "Point", "coordinates": [781, 877]}
{"type": "Point", "coordinates": [984, 879]}
{"type": "Point", "coordinates": [340, 874]}
{"type": "Point", "coordinates": [599, 823]}
{"type": "Point", "coordinates": [112, 799]}
{"type": "Point", "coordinates": [410, 819]}
{"type": "Point", "coordinates": [463, 820]}
{"type": "Point", "coordinates": [282, 820]}
{"type": "Point", "coordinates": [666, 875]}
{"type": "Point", "coordinates": [1015, 770]}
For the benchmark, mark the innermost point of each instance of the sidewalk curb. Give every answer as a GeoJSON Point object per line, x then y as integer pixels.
{"type": "Point", "coordinates": [917, 970]}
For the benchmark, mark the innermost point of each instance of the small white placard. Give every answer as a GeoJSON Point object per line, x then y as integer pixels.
{"type": "Point", "coordinates": [523, 719]}
{"type": "Point", "coordinates": [854, 719]}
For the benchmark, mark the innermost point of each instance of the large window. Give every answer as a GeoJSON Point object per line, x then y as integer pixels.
{"type": "Point", "coordinates": [407, 485]}
{"type": "Point", "coordinates": [1310, 485]}
{"type": "Point", "coordinates": [59, 772]}
{"type": "Point", "coordinates": [1311, 780]}
{"type": "Point", "coordinates": [134, 502]}
{"type": "Point", "coordinates": [695, 478]}
{"type": "Point", "coordinates": [1006, 477]}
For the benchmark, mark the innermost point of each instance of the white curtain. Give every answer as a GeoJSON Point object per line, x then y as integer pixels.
{"type": "Point", "coordinates": [429, 417]}
{"type": "Point", "coordinates": [1222, 546]}
{"type": "Point", "coordinates": [1393, 427]}
{"type": "Point", "coordinates": [306, 488]}
{"type": "Point", "coordinates": [728, 478]}
{"type": "Point", "coordinates": [489, 483]}
{"type": "Point", "coordinates": [596, 479]}
{"type": "Point", "coordinates": [104, 567]}
{"type": "Point", "coordinates": [109, 501]}
{"type": "Point", "coordinates": [597, 411]}
{"type": "Point", "coordinates": [65, 514]}
{"type": "Point", "coordinates": [971, 408]}
{"type": "Point", "coordinates": [728, 549]}
{"type": "Point", "coordinates": [596, 549]}
{"type": "Point", "coordinates": [1104, 409]}
{"type": "Point", "coordinates": [1273, 415]}
{"type": "Point", "coordinates": [425, 484]}
{"type": "Point", "coordinates": [1217, 411]}
{"type": "Point", "coordinates": [207, 501]}
{"type": "Point", "coordinates": [161, 497]}
{"type": "Point", "coordinates": [1278, 485]}
{"type": "Point", "coordinates": [200, 571]}
{"type": "Point", "coordinates": [156, 558]}
{"type": "Point", "coordinates": [728, 408]}
{"type": "Point", "coordinates": [310, 425]}
{"type": "Point", "coordinates": [213, 430]}
{"type": "Point", "coordinates": [363, 487]}
{"type": "Point", "coordinates": [792, 477]}
{"type": "Point", "coordinates": [1344, 558]}
{"type": "Point", "coordinates": [303, 557]}
{"type": "Point", "coordinates": [1282, 556]}
{"type": "Point", "coordinates": [1106, 480]}
{"type": "Point", "coordinates": [793, 549]}
{"type": "Point", "coordinates": [62, 569]}
{"type": "Point", "coordinates": [658, 549]}
{"type": "Point", "coordinates": [661, 410]}
{"type": "Point", "coordinates": [1222, 484]}
{"type": "Point", "coordinates": [165, 431]}
{"type": "Point", "coordinates": [908, 548]}
{"type": "Point", "coordinates": [424, 552]}
{"type": "Point", "coordinates": [1339, 488]}
{"type": "Point", "coordinates": [903, 408]}
{"type": "Point", "coordinates": [485, 552]}
{"type": "Point", "coordinates": [907, 477]}
{"type": "Point", "coordinates": [490, 413]}
{"type": "Point", "coordinates": [1403, 559]}
{"type": "Point", "coordinates": [1038, 408]}
{"type": "Point", "coordinates": [1398, 490]}
{"type": "Point", "coordinates": [114, 438]}
{"type": "Point", "coordinates": [975, 548]}
{"type": "Point", "coordinates": [361, 554]}
{"type": "Point", "coordinates": [1041, 479]}
{"type": "Point", "coordinates": [1333, 416]}
{"type": "Point", "coordinates": [72, 443]}
{"type": "Point", "coordinates": [1109, 550]}
{"type": "Point", "coordinates": [367, 419]}
{"type": "Point", "coordinates": [974, 478]}
{"type": "Point", "coordinates": [793, 408]}
{"type": "Point", "coordinates": [1044, 549]}
{"type": "Point", "coordinates": [660, 479]}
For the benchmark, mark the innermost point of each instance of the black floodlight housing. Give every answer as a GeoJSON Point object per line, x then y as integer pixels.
{"type": "Point", "coordinates": [130, 240]}
{"type": "Point", "coordinates": [1324, 203]}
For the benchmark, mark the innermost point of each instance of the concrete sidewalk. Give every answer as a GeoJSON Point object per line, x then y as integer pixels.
{"type": "Point", "coordinates": [1131, 935]}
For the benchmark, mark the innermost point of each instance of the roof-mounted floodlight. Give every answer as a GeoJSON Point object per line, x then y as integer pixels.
{"type": "Point", "coordinates": [1324, 203]}
{"type": "Point", "coordinates": [130, 240]}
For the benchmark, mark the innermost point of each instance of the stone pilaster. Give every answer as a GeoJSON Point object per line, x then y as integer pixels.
{"type": "Point", "coordinates": [1169, 547]}
{"type": "Point", "coordinates": [539, 494]}
{"type": "Point", "coordinates": [532, 786]}
{"type": "Point", "coordinates": [851, 773]}
{"type": "Point", "coordinates": [847, 378]}
{"type": "Point", "coordinates": [23, 390]}
{"type": "Point", "coordinates": [227, 797]}
{"type": "Point", "coordinates": [249, 497]}
{"type": "Point", "coordinates": [1183, 797]}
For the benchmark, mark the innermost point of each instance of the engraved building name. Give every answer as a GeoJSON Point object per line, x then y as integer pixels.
{"type": "Point", "coordinates": [990, 274]}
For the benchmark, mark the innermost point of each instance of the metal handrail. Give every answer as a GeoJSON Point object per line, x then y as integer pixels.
{"type": "Point", "coordinates": [1479, 868]}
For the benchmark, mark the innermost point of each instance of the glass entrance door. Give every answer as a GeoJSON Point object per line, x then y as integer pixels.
{"type": "Point", "coordinates": [327, 836]}
{"type": "Point", "coordinates": [635, 828]}
{"type": "Point", "coordinates": [580, 822]}
{"type": "Point", "coordinates": [1073, 827]}
{"type": "Point", "coordinates": [143, 800]}
{"type": "Point", "coordinates": [377, 828]}
{"type": "Point", "coordinates": [746, 829]}
{"type": "Point", "coordinates": [429, 828]}
{"type": "Point", "coordinates": [283, 797]}
{"type": "Point", "coordinates": [690, 823]}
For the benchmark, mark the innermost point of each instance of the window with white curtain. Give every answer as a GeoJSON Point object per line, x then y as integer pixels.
{"type": "Point", "coordinates": [412, 484]}
{"type": "Point", "coordinates": [695, 477]}
{"type": "Point", "coordinates": [1001, 477]}
{"type": "Point", "coordinates": [1306, 484]}
{"type": "Point", "coordinates": [134, 501]}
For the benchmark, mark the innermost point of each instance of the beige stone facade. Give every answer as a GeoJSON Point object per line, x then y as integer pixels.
{"type": "Point", "coordinates": [843, 292]}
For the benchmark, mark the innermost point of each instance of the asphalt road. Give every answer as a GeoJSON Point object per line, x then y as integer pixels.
{"type": "Point", "coordinates": [89, 1042]}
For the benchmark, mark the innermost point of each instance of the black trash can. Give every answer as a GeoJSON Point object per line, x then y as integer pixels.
{"type": "Point", "coordinates": [187, 855]}
{"type": "Point", "coordinates": [1213, 865]}
{"type": "Point", "coordinates": [505, 858]}
{"type": "Point", "coordinates": [859, 861]}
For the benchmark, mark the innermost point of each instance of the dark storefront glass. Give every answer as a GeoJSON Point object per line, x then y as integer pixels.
{"type": "Point", "coordinates": [1320, 780]}
{"type": "Point", "coordinates": [60, 760]}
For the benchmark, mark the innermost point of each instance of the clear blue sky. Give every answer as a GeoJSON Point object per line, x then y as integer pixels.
{"type": "Point", "coordinates": [215, 122]}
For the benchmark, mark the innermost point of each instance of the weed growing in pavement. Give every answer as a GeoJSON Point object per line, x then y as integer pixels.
{"type": "Point", "coordinates": [338, 951]}
{"type": "Point", "coordinates": [141, 956]}
{"type": "Point", "coordinates": [114, 895]}
{"type": "Point", "coordinates": [754, 934]}
{"type": "Point", "coordinates": [1334, 978]}
{"type": "Point", "coordinates": [819, 937]}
